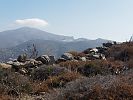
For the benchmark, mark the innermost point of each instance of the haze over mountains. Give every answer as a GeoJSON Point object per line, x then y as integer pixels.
{"type": "Point", "coordinates": [18, 41]}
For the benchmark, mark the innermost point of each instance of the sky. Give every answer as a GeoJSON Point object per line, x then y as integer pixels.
{"type": "Point", "coordinates": [108, 19]}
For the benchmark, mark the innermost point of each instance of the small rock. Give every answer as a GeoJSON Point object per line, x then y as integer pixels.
{"type": "Point", "coordinates": [67, 56]}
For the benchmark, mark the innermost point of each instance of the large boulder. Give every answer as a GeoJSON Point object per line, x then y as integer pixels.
{"type": "Point", "coordinates": [15, 63]}
{"type": "Point", "coordinates": [44, 59]}
{"type": "Point", "coordinates": [32, 63]}
{"type": "Point", "coordinates": [67, 56]}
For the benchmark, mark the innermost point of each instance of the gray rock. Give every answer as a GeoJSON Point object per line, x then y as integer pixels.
{"type": "Point", "coordinates": [83, 58]}
{"type": "Point", "coordinates": [15, 63]}
{"type": "Point", "coordinates": [23, 71]}
{"type": "Point", "coordinates": [67, 56]}
{"type": "Point", "coordinates": [22, 58]}
{"type": "Point", "coordinates": [52, 59]}
{"type": "Point", "coordinates": [61, 60]}
{"type": "Point", "coordinates": [44, 59]}
{"type": "Point", "coordinates": [32, 63]}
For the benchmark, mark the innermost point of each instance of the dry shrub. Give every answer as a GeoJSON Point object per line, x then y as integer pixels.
{"type": "Point", "coordinates": [94, 67]}
{"type": "Point", "coordinates": [38, 87]}
{"type": "Point", "coordinates": [72, 65]}
{"type": "Point", "coordinates": [11, 81]}
{"type": "Point", "coordinates": [61, 80]}
{"type": "Point", "coordinates": [116, 64]}
{"type": "Point", "coordinates": [122, 51]}
{"type": "Point", "coordinates": [5, 97]}
{"type": "Point", "coordinates": [121, 91]}
{"type": "Point", "coordinates": [115, 92]}
{"type": "Point", "coordinates": [130, 63]}
{"type": "Point", "coordinates": [69, 76]}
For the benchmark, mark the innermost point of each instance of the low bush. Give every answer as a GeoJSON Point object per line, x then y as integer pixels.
{"type": "Point", "coordinates": [61, 80]}
{"type": "Point", "coordinates": [72, 65]}
{"type": "Point", "coordinates": [43, 72]}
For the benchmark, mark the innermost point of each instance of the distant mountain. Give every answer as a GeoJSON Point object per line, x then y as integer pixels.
{"type": "Point", "coordinates": [51, 47]}
{"type": "Point", "coordinates": [15, 37]}
{"type": "Point", "coordinates": [19, 41]}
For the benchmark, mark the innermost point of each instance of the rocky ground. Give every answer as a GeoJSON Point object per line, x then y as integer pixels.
{"type": "Point", "coordinates": [101, 73]}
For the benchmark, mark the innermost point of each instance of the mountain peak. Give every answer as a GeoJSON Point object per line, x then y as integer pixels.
{"type": "Point", "coordinates": [28, 28]}
{"type": "Point", "coordinates": [23, 34]}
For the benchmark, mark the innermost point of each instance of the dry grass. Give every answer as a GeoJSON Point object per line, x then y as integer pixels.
{"type": "Point", "coordinates": [38, 87]}
{"type": "Point", "coordinates": [61, 80]}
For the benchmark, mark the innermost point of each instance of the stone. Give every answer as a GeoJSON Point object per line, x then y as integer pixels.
{"type": "Point", "coordinates": [60, 60]}
{"type": "Point", "coordinates": [67, 56]}
{"type": "Point", "coordinates": [22, 58]}
{"type": "Point", "coordinates": [44, 59]}
{"type": "Point", "coordinates": [83, 58]}
{"type": "Point", "coordinates": [94, 50]}
{"type": "Point", "coordinates": [23, 71]}
{"type": "Point", "coordinates": [52, 59]}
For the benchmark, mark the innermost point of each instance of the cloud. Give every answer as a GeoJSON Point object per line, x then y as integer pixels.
{"type": "Point", "coordinates": [33, 22]}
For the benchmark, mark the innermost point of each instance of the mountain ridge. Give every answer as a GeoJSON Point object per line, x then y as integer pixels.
{"type": "Point", "coordinates": [15, 37]}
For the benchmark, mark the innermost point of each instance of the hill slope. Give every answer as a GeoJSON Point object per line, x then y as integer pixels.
{"type": "Point", "coordinates": [15, 37]}
{"type": "Point", "coordinates": [51, 47]}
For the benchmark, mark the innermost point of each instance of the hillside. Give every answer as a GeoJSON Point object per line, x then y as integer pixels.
{"type": "Point", "coordinates": [102, 73]}
{"type": "Point", "coordinates": [15, 37]}
{"type": "Point", "coordinates": [52, 47]}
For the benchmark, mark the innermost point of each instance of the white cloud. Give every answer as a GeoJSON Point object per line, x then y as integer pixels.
{"type": "Point", "coordinates": [33, 22]}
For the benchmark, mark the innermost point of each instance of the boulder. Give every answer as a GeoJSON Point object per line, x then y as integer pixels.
{"type": "Point", "coordinates": [52, 59]}
{"type": "Point", "coordinates": [96, 56]}
{"type": "Point", "coordinates": [15, 63]}
{"type": "Point", "coordinates": [32, 63]}
{"type": "Point", "coordinates": [94, 50]}
{"type": "Point", "coordinates": [107, 44]}
{"type": "Point", "coordinates": [83, 58]}
{"type": "Point", "coordinates": [22, 58]}
{"type": "Point", "coordinates": [60, 60]}
{"type": "Point", "coordinates": [23, 71]}
{"type": "Point", "coordinates": [103, 56]}
{"type": "Point", "coordinates": [102, 50]}
{"type": "Point", "coordinates": [67, 56]}
{"type": "Point", "coordinates": [44, 59]}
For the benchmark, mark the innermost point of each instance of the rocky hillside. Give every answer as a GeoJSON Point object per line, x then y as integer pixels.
{"type": "Point", "coordinates": [52, 47]}
{"type": "Point", "coordinates": [99, 73]}
{"type": "Point", "coordinates": [19, 41]}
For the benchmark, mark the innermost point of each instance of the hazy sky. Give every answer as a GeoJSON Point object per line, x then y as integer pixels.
{"type": "Point", "coordinates": [109, 19]}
